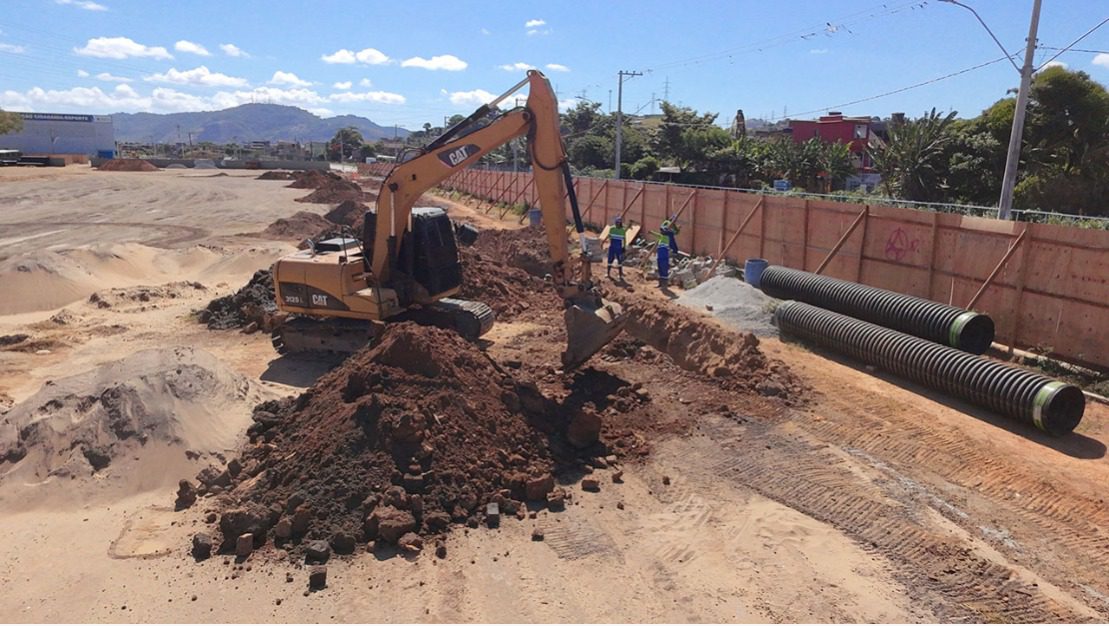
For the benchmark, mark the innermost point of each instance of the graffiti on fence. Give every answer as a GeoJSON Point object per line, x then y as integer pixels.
{"type": "Point", "coordinates": [899, 246]}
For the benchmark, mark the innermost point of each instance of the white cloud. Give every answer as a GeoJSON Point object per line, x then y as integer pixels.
{"type": "Point", "coordinates": [288, 78]}
{"type": "Point", "coordinates": [197, 76]}
{"type": "Point", "coordinates": [535, 23]}
{"type": "Point", "coordinates": [346, 84]}
{"type": "Point", "coordinates": [1102, 59]}
{"type": "Point", "coordinates": [476, 97]}
{"type": "Point", "coordinates": [1054, 64]}
{"type": "Point", "coordinates": [365, 82]}
{"type": "Point", "coordinates": [11, 47]}
{"type": "Point", "coordinates": [110, 78]}
{"type": "Point", "coordinates": [321, 112]}
{"type": "Point", "coordinates": [232, 50]}
{"type": "Point", "coordinates": [81, 98]}
{"type": "Point", "coordinates": [567, 104]}
{"type": "Point", "coordinates": [557, 67]}
{"type": "Point", "coordinates": [191, 48]}
{"type": "Point", "coordinates": [125, 91]}
{"type": "Point", "coordinates": [447, 62]}
{"type": "Point", "coordinates": [516, 67]}
{"type": "Point", "coordinates": [485, 31]}
{"type": "Point", "coordinates": [535, 31]}
{"type": "Point", "coordinates": [818, 51]}
{"type": "Point", "coordinates": [366, 56]}
{"type": "Point", "coordinates": [120, 48]}
{"type": "Point", "coordinates": [82, 73]}
{"type": "Point", "coordinates": [380, 97]}
{"type": "Point", "coordinates": [87, 5]}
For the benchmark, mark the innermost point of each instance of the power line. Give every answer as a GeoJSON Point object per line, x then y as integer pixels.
{"type": "Point", "coordinates": [1075, 50]}
{"type": "Point", "coordinates": [896, 91]}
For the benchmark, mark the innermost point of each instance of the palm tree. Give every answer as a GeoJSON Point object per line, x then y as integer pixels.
{"type": "Point", "coordinates": [912, 162]}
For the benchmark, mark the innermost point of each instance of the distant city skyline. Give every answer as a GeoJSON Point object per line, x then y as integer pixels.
{"type": "Point", "coordinates": [423, 62]}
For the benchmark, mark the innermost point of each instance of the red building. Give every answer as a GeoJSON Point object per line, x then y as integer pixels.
{"type": "Point", "coordinates": [857, 132]}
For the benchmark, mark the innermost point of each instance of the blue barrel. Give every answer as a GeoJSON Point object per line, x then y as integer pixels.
{"type": "Point", "coordinates": [535, 217]}
{"type": "Point", "coordinates": [752, 271]}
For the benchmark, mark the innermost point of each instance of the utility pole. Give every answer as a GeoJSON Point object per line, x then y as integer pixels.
{"type": "Point", "coordinates": [620, 115]}
{"type": "Point", "coordinates": [1005, 205]}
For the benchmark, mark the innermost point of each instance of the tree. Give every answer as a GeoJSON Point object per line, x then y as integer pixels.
{"type": "Point", "coordinates": [10, 122]}
{"type": "Point", "coordinates": [594, 151]}
{"type": "Point", "coordinates": [346, 143]}
{"type": "Point", "coordinates": [644, 168]}
{"type": "Point", "coordinates": [912, 161]}
{"type": "Point", "coordinates": [668, 140]}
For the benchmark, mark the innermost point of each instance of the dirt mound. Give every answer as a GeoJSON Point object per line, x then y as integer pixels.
{"type": "Point", "coordinates": [127, 165]}
{"type": "Point", "coordinates": [277, 175]}
{"type": "Point", "coordinates": [335, 191]}
{"type": "Point", "coordinates": [701, 345]}
{"type": "Point", "coordinates": [144, 297]}
{"type": "Point", "coordinates": [312, 179]}
{"type": "Point", "coordinates": [302, 225]}
{"type": "Point", "coordinates": [412, 435]}
{"type": "Point", "coordinates": [348, 213]}
{"type": "Point", "coordinates": [509, 291]}
{"type": "Point", "coordinates": [525, 248]}
{"type": "Point", "coordinates": [82, 424]}
{"type": "Point", "coordinates": [255, 303]}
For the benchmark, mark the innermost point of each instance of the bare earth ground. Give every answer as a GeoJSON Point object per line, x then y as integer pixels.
{"type": "Point", "coordinates": [877, 501]}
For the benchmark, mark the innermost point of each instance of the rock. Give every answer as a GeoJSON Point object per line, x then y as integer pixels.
{"type": "Point", "coordinates": [295, 500]}
{"type": "Point", "coordinates": [413, 483]}
{"type": "Point", "coordinates": [584, 429]}
{"type": "Point", "coordinates": [618, 476]}
{"type": "Point", "coordinates": [396, 497]}
{"type": "Point", "coordinates": [440, 549]}
{"type": "Point", "coordinates": [211, 518]}
{"type": "Point", "coordinates": [302, 517]}
{"type": "Point", "coordinates": [411, 543]}
{"type": "Point", "coordinates": [186, 495]}
{"type": "Point", "coordinates": [537, 534]}
{"type": "Point", "coordinates": [620, 505]}
{"type": "Point", "coordinates": [666, 480]}
{"type": "Point", "coordinates": [768, 388]}
{"type": "Point", "coordinates": [556, 499]}
{"type": "Point", "coordinates": [252, 327]}
{"type": "Point", "coordinates": [317, 551]}
{"type": "Point", "coordinates": [244, 545]}
{"type": "Point", "coordinates": [251, 518]}
{"type": "Point", "coordinates": [98, 457]}
{"type": "Point", "coordinates": [202, 546]}
{"type": "Point", "coordinates": [283, 529]}
{"type": "Point", "coordinates": [343, 543]}
{"type": "Point", "coordinates": [317, 578]}
{"type": "Point", "coordinates": [391, 523]}
{"type": "Point", "coordinates": [212, 477]}
{"type": "Point", "coordinates": [437, 521]}
{"type": "Point", "coordinates": [234, 467]}
{"type": "Point", "coordinates": [492, 515]}
{"type": "Point", "coordinates": [590, 484]}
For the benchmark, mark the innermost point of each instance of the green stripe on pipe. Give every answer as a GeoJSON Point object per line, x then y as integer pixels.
{"type": "Point", "coordinates": [957, 328]}
{"type": "Point", "coordinates": [1042, 396]}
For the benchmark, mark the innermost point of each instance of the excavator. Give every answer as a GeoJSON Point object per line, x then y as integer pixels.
{"type": "Point", "coordinates": [337, 295]}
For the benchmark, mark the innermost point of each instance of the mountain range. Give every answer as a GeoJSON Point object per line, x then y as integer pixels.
{"type": "Point", "coordinates": [244, 123]}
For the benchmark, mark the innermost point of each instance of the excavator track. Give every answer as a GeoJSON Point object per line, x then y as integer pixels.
{"type": "Point", "coordinates": [308, 335]}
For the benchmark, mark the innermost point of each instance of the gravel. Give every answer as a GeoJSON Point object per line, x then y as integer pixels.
{"type": "Point", "coordinates": [735, 303]}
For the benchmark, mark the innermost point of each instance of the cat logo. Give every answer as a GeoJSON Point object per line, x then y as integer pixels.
{"type": "Point", "coordinates": [319, 299]}
{"type": "Point", "coordinates": [456, 156]}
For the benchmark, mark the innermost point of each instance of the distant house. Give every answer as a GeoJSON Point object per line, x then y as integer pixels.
{"type": "Point", "coordinates": [859, 133]}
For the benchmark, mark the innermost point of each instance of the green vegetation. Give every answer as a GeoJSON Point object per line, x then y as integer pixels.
{"type": "Point", "coordinates": [10, 123]}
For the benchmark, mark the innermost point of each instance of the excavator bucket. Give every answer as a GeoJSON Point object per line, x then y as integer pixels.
{"type": "Point", "coordinates": [590, 324]}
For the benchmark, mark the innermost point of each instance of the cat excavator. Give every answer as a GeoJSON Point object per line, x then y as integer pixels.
{"type": "Point", "coordinates": [337, 295]}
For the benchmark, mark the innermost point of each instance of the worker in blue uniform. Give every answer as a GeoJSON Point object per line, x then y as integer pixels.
{"type": "Point", "coordinates": [667, 244]}
{"type": "Point", "coordinates": [617, 234]}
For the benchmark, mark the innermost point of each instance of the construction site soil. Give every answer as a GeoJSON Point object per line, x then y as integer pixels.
{"type": "Point", "coordinates": [301, 225]}
{"type": "Point", "coordinates": [332, 192]}
{"type": "Point", "coordinates": [127, 165]}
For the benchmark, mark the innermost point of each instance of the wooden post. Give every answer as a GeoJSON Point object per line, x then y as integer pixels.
{"type": "Point", "coordinates": [805, 240]}
{"type": "Point", "coordinates": [762, 231]}
{"type": "Point", "coordinates": [997, 270]}
{"type": "Point", "coordinates": [862, 247]}
{"type": "Point", "coordinates": [932, 253]}
{"type": "Point", "coordinates": [723, 221]}
{"type": "Point", "coordinates": [642, 207]}
{"type": "Point", "coordinates": [842, 240]}
{"type": "Point", "coordinates": [738, 232]}
{"type": "Point", "coordinates": [1022, 276]}
{"type": "Point", "coordinates": [624, 211]}
{"type": "Point", "coordinates": [589, 209]}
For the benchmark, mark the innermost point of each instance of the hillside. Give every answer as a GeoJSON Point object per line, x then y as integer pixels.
{"type": "Point", "coordinates": [248, 122]}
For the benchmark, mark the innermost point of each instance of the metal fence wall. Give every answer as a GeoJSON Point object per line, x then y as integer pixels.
{"type": "Point", "coordinates": [1046, 286]}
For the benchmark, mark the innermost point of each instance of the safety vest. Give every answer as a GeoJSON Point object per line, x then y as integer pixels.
{"type": "Point", "coordinates": [617, 233]}
{"type": "Point", "coordinates": [668, 230]}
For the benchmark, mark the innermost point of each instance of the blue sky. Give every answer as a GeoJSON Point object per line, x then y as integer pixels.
{"type": "Point", "coordinates": [412, 62]}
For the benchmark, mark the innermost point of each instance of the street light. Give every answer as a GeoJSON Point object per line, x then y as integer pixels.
{"type": "Point", "coordinates": [1012, 159]}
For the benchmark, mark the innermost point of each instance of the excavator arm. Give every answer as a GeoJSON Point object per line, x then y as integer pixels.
{"type": "Point", "coordinates": [591, 321]}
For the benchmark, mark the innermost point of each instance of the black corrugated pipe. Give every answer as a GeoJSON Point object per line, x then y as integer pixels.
{"type": "Point", "coordinates": [1050, 405]}
{"type": "Point", "coordinates": [949, 325]}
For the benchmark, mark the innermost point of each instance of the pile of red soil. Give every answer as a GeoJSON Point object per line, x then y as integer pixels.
{"type": "Point", "coordinates": [127, 165]}
{"type": "Point", "coordinates": [347, 213]}
{"type": "Point", "coordinates": [312, 179]}
{"type": "Point", "coordinates": [526, 248]}
{"type": "Point", "coordinates": [277, 175]}
{"type": "Point", "coordinates": [415, 434]}
{"type": "Point", "coordinates": [334, 192]}
{"type": "Point", "coordinates": [302, 225]}
{"type": "Point", "coordinates": [509, 291]}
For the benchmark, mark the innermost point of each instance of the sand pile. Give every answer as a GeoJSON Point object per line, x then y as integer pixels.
{"type": "Point", "coordinates": [526, 248]}
{"type": "Point", "coordinates": [83, 424]}
{"type": "Point", "coordinates": [347, 213]}
{"type": "Point", "coordinates": [255, 303]}
{"type": "Point", "coordinates": [302, 225]}
{"type": "Point", "coordinates": [335, 191]}
{"type": "Point", "coordinates": [277, 175]}
{"type": "Point", "coordinates": [127, 165]}
{"type": "Point", "coordinates": [312, 179]}
{"type": "Point", "coordinates": [735, 303]}
{"type": "Point", "coordinates": [404, 439]}
{"type": "Point", "coordinates": [143, 297]}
